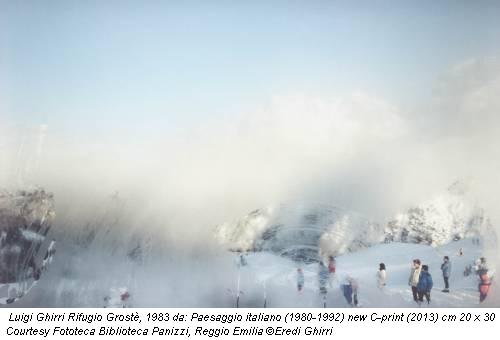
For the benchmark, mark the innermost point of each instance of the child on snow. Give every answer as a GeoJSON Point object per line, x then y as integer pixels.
{"type": "Point", "coordinates": [381, 276]}
{"type": "Point", "coordinates": [424, 285]}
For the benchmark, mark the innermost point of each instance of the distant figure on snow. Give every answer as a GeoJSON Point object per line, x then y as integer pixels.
{"type": "Point", "coordinates": [480, 264]}
{"type": "Point", "coordinates": [300, 280]}
{"type": "Point", "coordinates": [414, 278]}
{"type": "Point", "coordinates": [424, 285]}
{"type": "Point", "coordinates": [461, 252]}
{"type": "Point", "coordinates": [446, 269]}
{"type": "Point", "coordinates": [118, 298]}
{"type": "Point", "coordinates": [468, 270]}
{"type": "Point", "coordinates": [332, 267]}
{"type": "Point", "coordinates": [242, 261]}
{"type": "Point", "coordinates": [381, 276]}
{"type": "Point", "coordinates": [350, 290]}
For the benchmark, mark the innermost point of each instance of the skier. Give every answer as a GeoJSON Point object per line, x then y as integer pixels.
{"type": "Point", "coordinates": [424, 285]}
{"type": "Point", "coordinates": [461, 252]}
{"type": "Point", "coordinates": [484, 279]}
{"type": "Point", "coordinates": [350, 291]}
{"type": "Point", "coordinates": [381, 276]}
{"type": "Point", "coordinates": [446, 269]}
{"type": "Point", "coordinates": [300, 279]}
{"type": "Point", "coordinates": [323, 275]}
{"type": "Point", "coordinates": [414, 278]}
{"type": "Point", "coordinates": [332, 267]}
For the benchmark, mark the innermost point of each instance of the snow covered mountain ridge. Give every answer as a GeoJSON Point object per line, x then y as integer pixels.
{"type": "Point", "coordinates": [311, 232]}
{"type": "Point", "coordinates": [447, 217]}
{"type": "Point", "coordinates": [302, 232]}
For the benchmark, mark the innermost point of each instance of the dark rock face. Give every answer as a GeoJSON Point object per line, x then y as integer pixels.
{"type": "Point", "coordinates": [25, 219]}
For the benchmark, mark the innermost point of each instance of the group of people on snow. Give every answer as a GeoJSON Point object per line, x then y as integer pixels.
{"type": "Point", "coordinates": [420, 280]}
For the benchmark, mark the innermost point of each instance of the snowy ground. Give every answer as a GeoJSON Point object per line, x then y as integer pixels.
{"type": "Point", "coordinates": [82, 279]}
{"type": "Point", "coordinates": [279, 277]}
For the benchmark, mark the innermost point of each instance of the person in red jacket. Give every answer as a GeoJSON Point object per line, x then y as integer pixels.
{"type": "Point", "coordinates": [484, 278]}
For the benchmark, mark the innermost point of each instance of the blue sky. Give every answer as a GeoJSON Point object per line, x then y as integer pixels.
{"type": "Point", "coordinates": [157, 65]}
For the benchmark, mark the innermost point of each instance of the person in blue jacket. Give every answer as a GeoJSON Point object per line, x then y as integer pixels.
{"type": "Point", "coordinates": [446, 269]}
{"type": "Point", "coordinates": [424, 285]}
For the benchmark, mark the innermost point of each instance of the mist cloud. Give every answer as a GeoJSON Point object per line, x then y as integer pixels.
{"type": "Point", "coordinates": [357, 151]}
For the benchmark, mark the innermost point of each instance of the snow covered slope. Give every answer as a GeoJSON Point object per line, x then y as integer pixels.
{"type": "Point", "coordinates": [308, 232]}
{"type": "Point", "coordinates": [277, 276]}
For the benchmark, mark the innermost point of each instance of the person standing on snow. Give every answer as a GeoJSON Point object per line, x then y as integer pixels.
{"type": "Point", "coordinates": [241, 260]}
{"type": "Point", "coordinates": [414, 277]}
{"type": "Point", "coordinates": [484, 279]}
{"type": "Point", "coordinates": [424, 285]}
{"type": "Point", "coordinates": [381, 276]}
{"type": "Point", "coordinates": [300, 279]}
{"type": "Point", "coordinates": [446, 269]}
{"type": "Point", "coordinates": [350, 290]}
{"type": "Point", "coordinates": [332, 267]}
{"type": "Point", "coordinates": [481, 264]}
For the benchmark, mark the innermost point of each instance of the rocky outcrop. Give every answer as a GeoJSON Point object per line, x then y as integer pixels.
{"type": "Point", "coordinates": [25, 219]}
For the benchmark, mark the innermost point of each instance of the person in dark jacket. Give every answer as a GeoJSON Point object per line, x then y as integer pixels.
{"type": "Point", "coordinates": [350, 290]}
{"type": "Point", "coordinates": [424, 285]}
{"type": "Point", "coordinates": [446, 269]}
